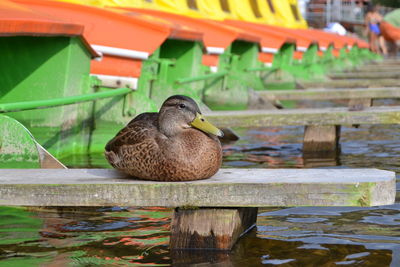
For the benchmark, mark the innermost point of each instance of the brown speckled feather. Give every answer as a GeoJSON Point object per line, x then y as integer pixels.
{"type": "Point", "coordinates": [142, 151]}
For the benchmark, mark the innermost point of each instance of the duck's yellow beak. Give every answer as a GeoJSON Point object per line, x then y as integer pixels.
{"type": "Point", "coordinates": [202, 124]}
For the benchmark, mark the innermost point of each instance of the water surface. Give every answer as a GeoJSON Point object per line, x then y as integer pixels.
{"type": "Point", "coordinates": [298, 236]}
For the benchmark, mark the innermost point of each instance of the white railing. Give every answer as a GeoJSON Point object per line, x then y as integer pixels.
{"type": "Point", "coordinates": [336, 11]}
{"type": "Point", "coordinates": [350, 11]}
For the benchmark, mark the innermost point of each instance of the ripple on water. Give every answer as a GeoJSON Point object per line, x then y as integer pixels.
{"type": "Point", "coordinates": [298, 236]}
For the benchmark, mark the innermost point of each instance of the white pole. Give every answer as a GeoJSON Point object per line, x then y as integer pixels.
{"type": "Point", "coordinates": [328, 11]}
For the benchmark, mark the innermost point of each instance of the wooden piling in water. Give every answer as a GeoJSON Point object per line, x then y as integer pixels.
{"type": "Point", "coordinates": [201, 257]}
{"type": "Point", "coordinates": [210, 228]}
{"type": "Point", "coordinates": [321, 159]}
{"type": "Point", "coordinates": [321, 138]}
{"type": "Point", "coordinates": [359, 104]}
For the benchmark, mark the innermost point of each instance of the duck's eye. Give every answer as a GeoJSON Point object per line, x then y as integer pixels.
{"type": "Point", "coordinates": [182, 106]}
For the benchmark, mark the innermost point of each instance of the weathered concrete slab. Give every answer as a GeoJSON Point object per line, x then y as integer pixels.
{"type": "Point", "coordinates": [228, 188]}
{"type": "Point", "coordinates": [331, 94]}
{"type": "Point", "coordinates": [326, 116]}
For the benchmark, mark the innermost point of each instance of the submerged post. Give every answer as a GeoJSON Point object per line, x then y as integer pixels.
{"type": "Point", "coordinates": [359, 104]}
{"type": "Point", "coordinates": [321, 138]}
{"type": "Point", "coordinates": [210, 228]}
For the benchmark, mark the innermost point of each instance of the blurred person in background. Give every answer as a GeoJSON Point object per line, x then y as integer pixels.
{"type": "Point", "coordinates": [372, 23]}
{"type": "Point", "coordinates": [390, 28]}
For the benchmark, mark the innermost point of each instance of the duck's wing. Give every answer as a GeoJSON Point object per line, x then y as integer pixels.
{"type": "Point", "coordinates": [150, 118]}
{"type": "Point", "coordinates": [141, 128]}
{"type": "Point", "coordinates": [135, 146]}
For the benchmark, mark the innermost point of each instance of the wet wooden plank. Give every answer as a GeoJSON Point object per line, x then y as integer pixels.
{"type": "Point", "coordinates": [357, 83]}
{"type": "Point", "coordinates": [228, 188]}
{"type": "Point", "coordinates": [331, 94]}
{"type": "Point", "coordinates": [366, 75]}
{"type": "Point", "coordinates": [326, 116]}
{"type": "Point", "coordinates": [386, 62]}
{"type": "Point", "coordinates": [377, 69]}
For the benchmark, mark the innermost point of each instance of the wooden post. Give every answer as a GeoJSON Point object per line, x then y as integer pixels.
{"type": "Point", "coordinates": [201, 257]}
{"type": "Point", "coordinates": [321, 159]}
{"type": "Point", "coordinates": [229, 136]}
{"type": "Point", "coordinates": [359, 104]}
{"type": "Point", "coordinates": [210, 228]}
{"type": "Point", "coordinates": [256, 101]}
{"type": "Point", "coordinates": [321, 138]}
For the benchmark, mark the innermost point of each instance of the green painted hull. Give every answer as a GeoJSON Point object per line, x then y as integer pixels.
{"type": "Point", "coordinates": [50, 68]}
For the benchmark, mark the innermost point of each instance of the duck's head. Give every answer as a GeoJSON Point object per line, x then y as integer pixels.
{"type": "Point", "coordinates": [180, 112]}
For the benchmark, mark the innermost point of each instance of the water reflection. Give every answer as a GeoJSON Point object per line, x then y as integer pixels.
{"type": "Point", "coordinates": [272, 251]}
{"type": "Point", "coordinates": [302, 236]}
{"type": "Point", "coordinates": [83, 236]}
{"type": "Point", "coordinates": [322, 159]}
{"type": "Point", "coordinates": [194, 258]}
{"type": "Point", "coordinates": [359, 229]}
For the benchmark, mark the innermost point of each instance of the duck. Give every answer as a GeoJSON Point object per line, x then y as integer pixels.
{"type": "Point", "coordinates": [175, 144]}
